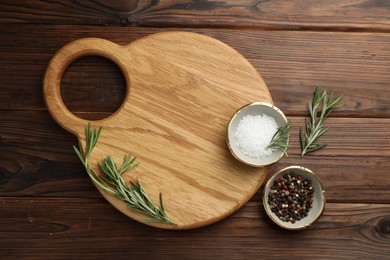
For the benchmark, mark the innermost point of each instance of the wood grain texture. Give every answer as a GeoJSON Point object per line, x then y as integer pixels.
{"type": "Point", "coordinates": [275, 14]}
{"type": "Point", "coordinates": [37, 159]}
{"type": "Point", "coordinates": [49, 208]}
{"type": "Point", "coordinates": [291, 63]}
{"type": "Point", "coordinates": [174, 120]}
{"type": "Point", "coordinates": [36, 228]}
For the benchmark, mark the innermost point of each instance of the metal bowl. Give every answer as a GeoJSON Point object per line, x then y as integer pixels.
{"type": "Point", "coordinates": [318, 204]}
{"type": "Point", "coordinates": [254, 109]}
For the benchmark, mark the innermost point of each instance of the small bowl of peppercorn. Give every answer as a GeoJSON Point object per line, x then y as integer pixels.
{"type": "Point", "coordinates": [294, 198]}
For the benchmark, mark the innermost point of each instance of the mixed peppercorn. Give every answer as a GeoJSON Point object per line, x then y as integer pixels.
{"type": "Point", "coordinates": [291, 197]}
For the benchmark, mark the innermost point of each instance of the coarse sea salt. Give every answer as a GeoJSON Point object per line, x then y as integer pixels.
{"type": "Point", "coordinates": [254, 134]}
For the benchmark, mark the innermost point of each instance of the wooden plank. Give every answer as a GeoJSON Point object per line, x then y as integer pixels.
{"type": "Point", "coordinates": [279, 14]}
{"type": "Point", "coordinates": [93, 78]}
{"type": "Point", "coordinates": [90, 228]}
{"type": "Point", "coordinates": [291, 63]}
{"type": "Point", "coordinates": [37, 159]}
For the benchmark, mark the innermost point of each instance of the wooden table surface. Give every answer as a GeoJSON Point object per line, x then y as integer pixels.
{"type": "Point", "coordinates": [49, 208]}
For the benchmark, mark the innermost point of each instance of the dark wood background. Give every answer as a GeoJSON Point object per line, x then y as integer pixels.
{"type": "Point", "coordinates": [49, 208]}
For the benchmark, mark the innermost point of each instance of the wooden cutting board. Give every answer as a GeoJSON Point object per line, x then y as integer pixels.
{"type": "Point", "coordinates": [182, 89]}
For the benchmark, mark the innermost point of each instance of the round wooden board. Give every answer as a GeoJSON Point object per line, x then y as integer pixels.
{"type": "Point", "coordinates": [182, 89]}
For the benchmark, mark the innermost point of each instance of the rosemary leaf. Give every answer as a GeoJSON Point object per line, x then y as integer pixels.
{"type": "Point", "coordinates": [134, 194]}
{"type": "Point", "coordinates": [315, 125]}
{"type": "Point", "coordinates": [161, 203]}
{"type": "Point", "coordinates": [280, 139]}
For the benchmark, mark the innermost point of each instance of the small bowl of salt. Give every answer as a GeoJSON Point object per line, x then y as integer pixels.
{"type": "Point", "coordinates": [250, 132]}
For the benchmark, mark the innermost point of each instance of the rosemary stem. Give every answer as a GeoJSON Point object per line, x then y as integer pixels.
{"type": "Point", "coordinates": [315, 125]}
{"type": "Point", "coordinates": [134, 195]}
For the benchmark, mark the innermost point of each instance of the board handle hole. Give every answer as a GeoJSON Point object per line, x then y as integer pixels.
{"type": "Point", "coordinates": [93, 87]}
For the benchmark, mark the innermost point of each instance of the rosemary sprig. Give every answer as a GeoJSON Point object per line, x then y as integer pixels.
{"type": "Point", "coordinates": [280, 139]}
{"type": "Point", "coordinates": [315, 127]}
{"type": "Point", "coordinates": [134, 194]}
